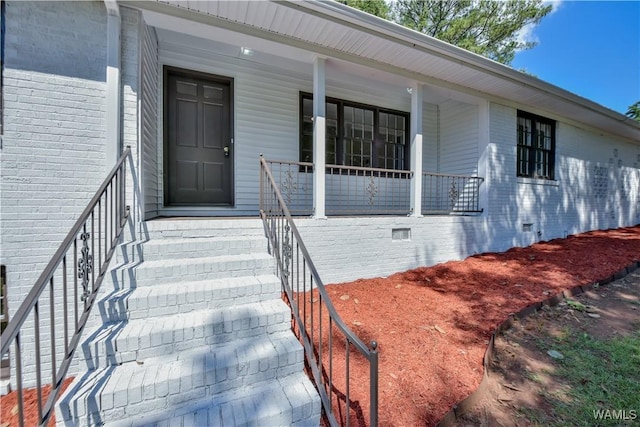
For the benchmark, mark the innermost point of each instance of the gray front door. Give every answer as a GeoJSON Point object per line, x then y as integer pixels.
{"type": "Point", "coordinates": [198, 139]}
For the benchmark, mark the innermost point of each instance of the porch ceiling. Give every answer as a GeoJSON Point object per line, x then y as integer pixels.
{"type": "Point", "coordinates": [336, 31]}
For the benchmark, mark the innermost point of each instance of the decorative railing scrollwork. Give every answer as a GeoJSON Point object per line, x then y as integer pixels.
{"type": "Point", "coordinates": [100, 224]}
{"type": "Point", "coordinates": [85, 264]}
{"type": "Point", "coordinates": [317, 324]}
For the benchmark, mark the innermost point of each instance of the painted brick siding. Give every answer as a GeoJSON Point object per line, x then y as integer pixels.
{"type": "Point", "coordinates": [53, 146]}
{"type": "Point", "coordinates": [345, 249]}
{"type": "Point", "coordinates": [130, 76]}
{"type": "Point", "coordinates": [577, 200]}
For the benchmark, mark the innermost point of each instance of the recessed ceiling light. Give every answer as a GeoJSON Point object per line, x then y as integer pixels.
{"type": "Point", "coordinates": [246, 51]}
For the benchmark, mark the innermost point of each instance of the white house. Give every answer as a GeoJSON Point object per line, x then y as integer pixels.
{"type": "Point", "coordinates": [392, 149]}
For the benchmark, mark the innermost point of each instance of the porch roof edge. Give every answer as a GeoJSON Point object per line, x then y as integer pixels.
{"type": "Point", "coordinates": [336, 10]}
{"type": "Point", "coordinates": [496, 82]}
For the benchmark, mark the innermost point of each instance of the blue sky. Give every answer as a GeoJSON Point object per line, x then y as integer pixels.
{"type": "Point", "coordinates": [590, 48]}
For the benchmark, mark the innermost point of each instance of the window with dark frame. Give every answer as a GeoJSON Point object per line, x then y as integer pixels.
{"type": "Point", "coordinates": [536, 146]}
{"type": "Point", "coordinates": [357, 134]}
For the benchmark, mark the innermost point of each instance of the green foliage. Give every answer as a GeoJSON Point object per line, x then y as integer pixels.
{"type": "Point", "coordinates": [634, 112]}
{"type": "Point", "coordinates": [576, 305]}
{"type": "Point", "coordinates": [599, 375]}
{"type": "Point", "coordinates": [379, 8]}
{"type": "Point", "coordinates": [488, 28]}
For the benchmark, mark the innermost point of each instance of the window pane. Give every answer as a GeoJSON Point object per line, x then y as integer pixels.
{"type": "Point", "coordinates": [368, 117]}
{"type": "Point", "coordinates": [544, 135]}
{"type": "Point", "coordinates": [391, 153]}
{"type": "Point", "coordinates": [535, 142]}
{"type": "Point", "coordinates": [359, 134]}
{"type": "Point", "coordinates": [307, 148]}
{"type": "Point", "coordinates": [383, 120]}
{"type": "Point", "coordinates": [332, 111]}
{"type": "Point", "coordinates": [348, 114]}
{"type": "Point", "coordinates": [364, 137]}
{"type": "Point", "coordinates": [524, 131]}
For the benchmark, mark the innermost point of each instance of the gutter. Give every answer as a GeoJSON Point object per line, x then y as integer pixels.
{"type": "Point", "coordinates": [362, 21]}
{"type": "Point", "coordinates": [113, 97]}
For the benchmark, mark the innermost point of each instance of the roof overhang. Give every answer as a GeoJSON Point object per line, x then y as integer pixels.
{"type": "Point", "coordinates": [334, 30]}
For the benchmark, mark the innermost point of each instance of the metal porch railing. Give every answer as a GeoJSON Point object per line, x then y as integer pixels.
{"type": "Point", "coordinates": [450, 193]}
{"type": "Point", "coordinates": [72, 278]}
{"type": "Point", "coordinates": [351, 190]}
{"type": "Point", "coordinates": [320, 328]}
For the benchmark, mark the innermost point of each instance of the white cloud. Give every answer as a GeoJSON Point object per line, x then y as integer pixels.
{"type": "Point", "coordinates": [527, 33]}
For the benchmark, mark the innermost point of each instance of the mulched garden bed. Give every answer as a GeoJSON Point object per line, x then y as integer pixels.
{"type": "Point", "coordinates": [432, 324]}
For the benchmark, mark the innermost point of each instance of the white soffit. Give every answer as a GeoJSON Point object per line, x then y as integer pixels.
{"type": "Point", "coordinates": [334, 30]}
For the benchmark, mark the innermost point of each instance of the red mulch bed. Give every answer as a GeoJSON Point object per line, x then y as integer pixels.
{"type": "Point", "coordinates": [433, 324]}
{"type": "Point", "coordinates": [9, 406]}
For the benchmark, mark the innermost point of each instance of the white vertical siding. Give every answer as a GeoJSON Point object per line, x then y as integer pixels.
{"type": "Point", "coordinates": [266, 110]}
{"type": "Point", "coordinates": [459, 129]}
{"type": "Point", "coordinates": [430, 138]}
{"type": "Point", "coordinates": [149, 123]}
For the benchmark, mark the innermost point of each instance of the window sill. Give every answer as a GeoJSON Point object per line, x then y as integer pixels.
{"type": "Point", "coordinates": [538, 181]}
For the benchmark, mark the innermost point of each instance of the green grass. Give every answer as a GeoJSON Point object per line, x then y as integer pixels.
{"type": "Point", "coordinates": [576, 305]}
{"type": "Point", "coordinates": [599, 375]}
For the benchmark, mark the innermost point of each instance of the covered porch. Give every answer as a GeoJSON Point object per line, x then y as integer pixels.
{"type": "Point", "coordinates": [389, 142]}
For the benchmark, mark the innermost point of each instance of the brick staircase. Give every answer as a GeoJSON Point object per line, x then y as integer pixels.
{"type": "Point", "coordinates": [191, 330]}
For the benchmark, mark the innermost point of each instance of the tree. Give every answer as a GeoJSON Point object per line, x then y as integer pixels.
{"type": "Point", "coordinates": [634, 112]}
{"type": "Point", "coordinates": [378, 8]}
{"type": "Point", "coordinates": [488, 28]}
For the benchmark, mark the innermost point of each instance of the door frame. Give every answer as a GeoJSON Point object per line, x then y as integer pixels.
{"type": "Point", "coordinates": [166, 69]}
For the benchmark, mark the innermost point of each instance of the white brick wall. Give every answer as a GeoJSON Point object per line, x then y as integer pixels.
{"type": "Point", "coordinates": [53, 145]}
{"type": "Point", "coordinates": [572, 202]}
{"type": "Point", "coordinates": [53, 154]}
{"type": "Point", "coordinates": [345, 249]}
{"type": "Point", "coordinates": [130, 75]}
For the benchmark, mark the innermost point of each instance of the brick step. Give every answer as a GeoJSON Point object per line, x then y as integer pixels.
{"type": "Point", "coordinates": [162, 229]}
{"type": "Point", "coordinates": [288, 401]}
{"type": "Point", "coordinates": [142, 339]}
{"type": "Point", "coordinates": [192, 269]}
{"type": "Point", "coordinates": [166, 299]}
{"type": "Point", "coordinates": [120, 392]}
{"type": "Point", "coordinates": [194, 247]}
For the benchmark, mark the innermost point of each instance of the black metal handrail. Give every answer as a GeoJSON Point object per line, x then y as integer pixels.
{"type": "Point", "coordinates": [352, 190]}
{"type": "Point", "coordinates": [442, 193]}
{"type": "Point", "coordinates": [107, 211]}
{"type": "Point", "coordinates": [310, 304]}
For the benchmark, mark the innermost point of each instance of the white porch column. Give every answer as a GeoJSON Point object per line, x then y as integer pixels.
{"type": "Point", "coordinates": [484, 156]}
{"type": "Point", "coordinates": [112, 116]}
{"type": "Point", "coordinates": [416, 149]}
{"type": "Point", "coordinates": [319, 144]}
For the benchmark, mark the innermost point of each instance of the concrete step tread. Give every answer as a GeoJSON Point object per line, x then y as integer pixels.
{"type": "Point", "coordinates": [203, 223]}
{"type": "Point", "coordinates": [199, 285]}
{"type": "Point", "coordinates": [145, 333]}
{"type": "Point", "coordinates": [166, 299]}
{"type": "Point", "coordinates": [178, 270]}
{"type": "Point", "coordinates": [182, 377]}
{"type": "Point", "coordinates": [204, 239]}
{"type": "Point", "coordinates": [164, 263]}
{"type": "Point", "coordinates": [288, 401]}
